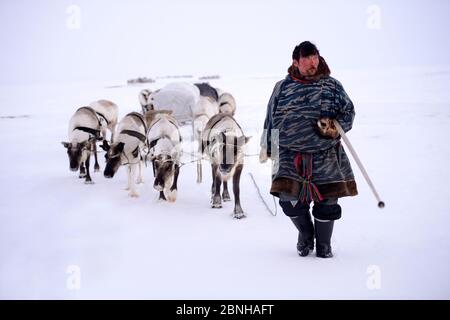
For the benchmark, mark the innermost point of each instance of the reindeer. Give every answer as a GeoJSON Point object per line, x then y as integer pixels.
{"type": "Point", "coordinates": [84, 130]}
{"type": "Point", "coordinates": [204, 110]}
{"type": "Point", "coordinates": [127, 149]}
{"type": "Point", "coordinates": [107, 113]}
{"type": "Point", "coordinates": [165, 151]}
{"type": "Point", "coordinates": [223, 142]}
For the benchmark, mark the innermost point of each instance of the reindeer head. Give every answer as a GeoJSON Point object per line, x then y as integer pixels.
{"type": "Point", "coordinates": [112, 156]}
{"type": "Point", "coordinates": [146, 100]}
{"type": "Point", "coordinates": [75, 152]}
{"type": "Point", "coordinates": [227, 104]}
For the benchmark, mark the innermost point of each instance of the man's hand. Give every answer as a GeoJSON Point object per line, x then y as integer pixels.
{"type": "Point", "coordinates": [327, 128]}
{"type": "Point", "coordinates": [263, 156]}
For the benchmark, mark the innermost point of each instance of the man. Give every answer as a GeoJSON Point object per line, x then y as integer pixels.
{"type": "Point", "coordinates": [310, 164]}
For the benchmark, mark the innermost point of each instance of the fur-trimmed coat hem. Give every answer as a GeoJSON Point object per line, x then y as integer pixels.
{"type": "Point", "coordinates": [292, 187]}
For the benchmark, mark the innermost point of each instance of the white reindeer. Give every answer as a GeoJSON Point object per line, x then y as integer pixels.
{"type": "Point", "coordinates": [84, 130]}
{"type": "Point", "coordinates": [127, 149]}
{"type": "Point", "coordinates": [164, 140]}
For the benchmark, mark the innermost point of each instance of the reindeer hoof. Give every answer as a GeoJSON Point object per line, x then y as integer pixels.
{"type": "Point", "coordinates": [171, 195]}
{"type": "Point", "coordinates": [133, 194]}
{"type": "Point", "coordinates": [238, 212]}
{"type": "Point", "coordinates": [96, 168]}
{"type": "Point", "coordinates": [216, 205]}
{"type": "Point", "coordinates": [81, 176]}
{"type": "Point", "coordinates": [216, 202]}
{"type": "Point", "coordinates": [226, 197]}
{"type": "Point", "coordinates": [88, 182]}
{"type": "Point", "coordinates": [162, 197]}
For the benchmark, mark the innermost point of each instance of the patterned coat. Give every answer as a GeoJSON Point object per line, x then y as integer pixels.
{"type": "Point", "coordinates": [306, 164]}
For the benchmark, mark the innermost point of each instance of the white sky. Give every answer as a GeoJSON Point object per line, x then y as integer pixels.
{"type": "Point", "coordinates": [125, 39]}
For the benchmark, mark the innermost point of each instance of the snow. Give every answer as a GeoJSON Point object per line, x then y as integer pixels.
{"type": "Point", "coordinates": [147, 249]}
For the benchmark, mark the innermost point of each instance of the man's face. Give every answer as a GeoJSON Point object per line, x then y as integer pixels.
{"type": "Point", "coordinates": [307, 65]}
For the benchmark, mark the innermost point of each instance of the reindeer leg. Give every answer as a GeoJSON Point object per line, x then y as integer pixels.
{"type": "Point", "coordinates": [172, 196]}
{"type": "Point", "coordinates": [216, 200]}
{"type": "Point", "coordinates": [94, 149]}
{"type": "Point", "coordinates": [199, 171]}
{"type": "Point", "coordinates": [131, 173]}
{"type": "Point", "coordinates": [88, 175]}
{"type": "Point", "coordinates": [140, 178]}
{"type": "Point", "coordinates": [128, 178]}
{"type": "Point", "coordinates": [213, 174]}
{"type": "Point", "coordinates": [113, 130]}
{"type": "Point", "coordinates": [225, 193]}
{"type": "Point", "coordinates": [238, 212]}
{"type": "Point", "coordinates": [82, 171]}
{"type": "Point", "coordinates": [199, 162]}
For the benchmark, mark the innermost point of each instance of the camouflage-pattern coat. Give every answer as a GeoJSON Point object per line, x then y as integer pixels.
{"type": "Point", "coordinates": [291, 137]}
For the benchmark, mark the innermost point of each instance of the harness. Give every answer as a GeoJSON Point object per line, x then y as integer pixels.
{"type": "Point", "coordinates": [177, 162]}
{"type": "Point", "coordinates": [136, 152]}
{"type": "Point", "coordinates": [172, 121]}
{"type": "Point", "coordinates": [140, 117]}
{"type": "Point", "coordinates": [216, 145]}
{"type": "Point", "coordinates": [141, 137]}
{"type": "Point", "coordinates": [224, 131]}
{"type": "Point", "coordinates": [102, 116]}
{"type": "Point", "coordinates": [162, 137]}
{"type": "Point", "coordinates": [95, 114]}
{"type": "Point", "coordinates": [94, 132]}
{"type": "Point", "coordinates": [135, 134]}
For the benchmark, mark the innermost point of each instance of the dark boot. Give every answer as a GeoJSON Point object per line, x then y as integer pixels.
{"type": "Point", "coordinates": [323, 231]}
{"type": "Point", "coordinates": [301, 218]}
{"type": "Point", "coordinates": [305, 229]}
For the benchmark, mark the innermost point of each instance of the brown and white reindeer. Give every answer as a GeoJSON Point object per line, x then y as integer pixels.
{"type": "Point", "coordinates": [223, 142]}
{"type": "Point", "coordinates": [206, 107]}
{"type": "Point", "coordinates": [127, 150]}
{"type": "Point", "coordinates": [107, 113]}
{"type": "Point", "coordinates": [84, 130]}
{"type": "Point", "coordinates": [164, 141]}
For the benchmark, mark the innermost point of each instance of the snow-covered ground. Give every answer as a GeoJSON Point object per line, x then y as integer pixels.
{"type": "Point", "coordinates": [51, 222]}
